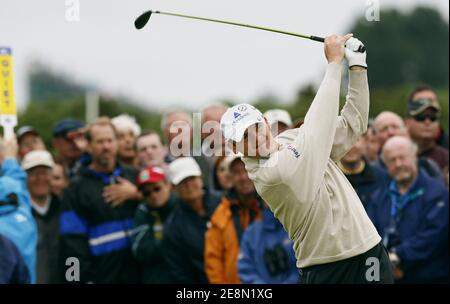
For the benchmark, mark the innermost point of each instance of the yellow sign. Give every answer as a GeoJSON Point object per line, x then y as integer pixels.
{"type": "Point", "coordinates": [7, 104]}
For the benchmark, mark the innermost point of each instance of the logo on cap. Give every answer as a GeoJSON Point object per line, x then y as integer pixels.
{"type": "Point", "coordinates": [144, 176]}
{"type": "Point", "coordinates": [242, 108]}
{"type": "Point", "coordinates": [236, 115]}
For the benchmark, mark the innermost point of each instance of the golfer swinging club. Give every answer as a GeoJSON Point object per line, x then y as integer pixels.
{"type": "Point", "coordinates": [296, 175]}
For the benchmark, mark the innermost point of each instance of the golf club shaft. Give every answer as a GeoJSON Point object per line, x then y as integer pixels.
{"type": "Point", "coordinates": [315, 38]}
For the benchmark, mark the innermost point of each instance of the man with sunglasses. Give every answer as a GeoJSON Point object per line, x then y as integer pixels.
{"type": "Point", "coordinates": [423, 125]}
{"type": "Point", "coordinates": [147, 238]}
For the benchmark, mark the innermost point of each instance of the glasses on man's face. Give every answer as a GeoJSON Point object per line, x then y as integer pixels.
{"type": "Point", "coordinates": [147, 193]}
{"type": "Point", "coordinates": [40, 173]}
{"type": "Point", "coordinates": [424, 116]}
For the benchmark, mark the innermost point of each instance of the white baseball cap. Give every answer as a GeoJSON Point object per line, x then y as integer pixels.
{"type": "Point", "coordinates": [37, 158]}
{"type": "Point", "coordinates": [182, 168]}
{"type": "Point", "coordinates": [230, 159]}
{"type": "Point", "coordinates": [278, 115]}
{"type": "Point", "coordinates": [237, 119]}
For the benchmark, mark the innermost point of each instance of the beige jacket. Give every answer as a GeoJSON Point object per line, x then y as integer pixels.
{"type": "Point", "coordinates": [302, 184]}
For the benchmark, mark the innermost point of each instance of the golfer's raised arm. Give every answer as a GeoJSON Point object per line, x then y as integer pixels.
{"type": "Point", "coordinates": [316, 139]}
{"type": "Point", "coordinates": [352, 122]}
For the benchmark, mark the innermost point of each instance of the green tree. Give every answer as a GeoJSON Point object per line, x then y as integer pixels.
{"type": "Point", "coordinates": [406, 47]}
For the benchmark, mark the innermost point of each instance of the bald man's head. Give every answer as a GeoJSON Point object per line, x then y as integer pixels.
{"type": "Point", "coordinates": [211, 116]}
{"type": "Point", "coordinates": [400, 156]}
{"type": "Point", "coordinates": [175, 124]}
{"type": "Point", "coordinates": [213, 112]}
{"type": "Point", "coordinates": [388, 124]}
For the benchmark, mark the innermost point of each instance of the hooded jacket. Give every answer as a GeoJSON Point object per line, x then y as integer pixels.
{"type": "Point", "coordinates": [16, 220]}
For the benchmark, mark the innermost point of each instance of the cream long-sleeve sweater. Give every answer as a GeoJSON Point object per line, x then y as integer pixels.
{"type": "Point", "coordinates": [303, 186]}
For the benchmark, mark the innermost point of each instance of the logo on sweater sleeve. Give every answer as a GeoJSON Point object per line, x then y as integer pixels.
{"type": "Point", "coordinates": [293, 150]}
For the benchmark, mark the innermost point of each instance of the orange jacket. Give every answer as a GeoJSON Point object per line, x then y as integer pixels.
{"type": "Point", "coordinates": [222, 242]}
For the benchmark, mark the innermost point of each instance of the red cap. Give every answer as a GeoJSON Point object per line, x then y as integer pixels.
{"type": "Point", "coordinates": [150, 175]}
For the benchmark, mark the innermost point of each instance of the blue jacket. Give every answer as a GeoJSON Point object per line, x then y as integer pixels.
{"type": "Point", "coordinates": [415, 225]}
{"type": "Point", "coordinates": [266, 253]}
{"type": "Point", "coordinates": [17, 222]}
{"type": "Point", "coordinates": [12, 267]}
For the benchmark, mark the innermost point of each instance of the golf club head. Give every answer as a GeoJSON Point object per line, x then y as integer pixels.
{"type": "Point", "coordinates": [142, 20]}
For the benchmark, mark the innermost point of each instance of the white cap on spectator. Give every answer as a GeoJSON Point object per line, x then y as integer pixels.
{"type": "Point", "coordinates": [278, 115]}
{"type": "Point", "coordinates": [237, 119]}
{"type": "Point", "coordinates": [37, 158]}
{"type": "Point", "coordinates": [182, 168]}
{"type": "Point", "coordinates": [124, 123]}
{"type": "Point", "coordinates": [230, 159]}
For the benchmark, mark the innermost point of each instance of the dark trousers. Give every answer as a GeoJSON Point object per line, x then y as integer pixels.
{"type": "Point", "coordinates": [371, 267]}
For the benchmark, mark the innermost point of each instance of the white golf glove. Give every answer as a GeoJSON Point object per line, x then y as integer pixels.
{"type": "Point", "coordinates": [352, 55]}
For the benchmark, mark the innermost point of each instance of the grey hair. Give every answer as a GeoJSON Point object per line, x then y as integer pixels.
{"type": "Point", "coordinates": [412, 146]}
{"type": "Point", "coordinates": [164, 117]}
{"type": "Point", "coordinates": [376, 120]}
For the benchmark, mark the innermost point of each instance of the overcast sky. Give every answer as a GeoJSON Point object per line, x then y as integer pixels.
{"type": "Point", "coordinates": [175, 61]}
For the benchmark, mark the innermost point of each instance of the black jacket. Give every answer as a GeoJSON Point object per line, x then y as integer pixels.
{"type": "Point", "coordinates": [148, 241]}
{"type": "Point", "coordinates": [48, 243]}
{"type": "Point", "coordinates": [94, 232]}
{"type": "Point", "coordinates": [366, 182]}
{"type": "Point", "coordinates": [184, 238]}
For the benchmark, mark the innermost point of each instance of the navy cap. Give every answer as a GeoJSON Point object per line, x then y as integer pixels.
{"type": "Point", "coordinates": [65, 126]}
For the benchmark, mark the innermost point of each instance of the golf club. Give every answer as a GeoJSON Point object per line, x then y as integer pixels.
{"type": "Point", "coordinates": [143, 19]}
